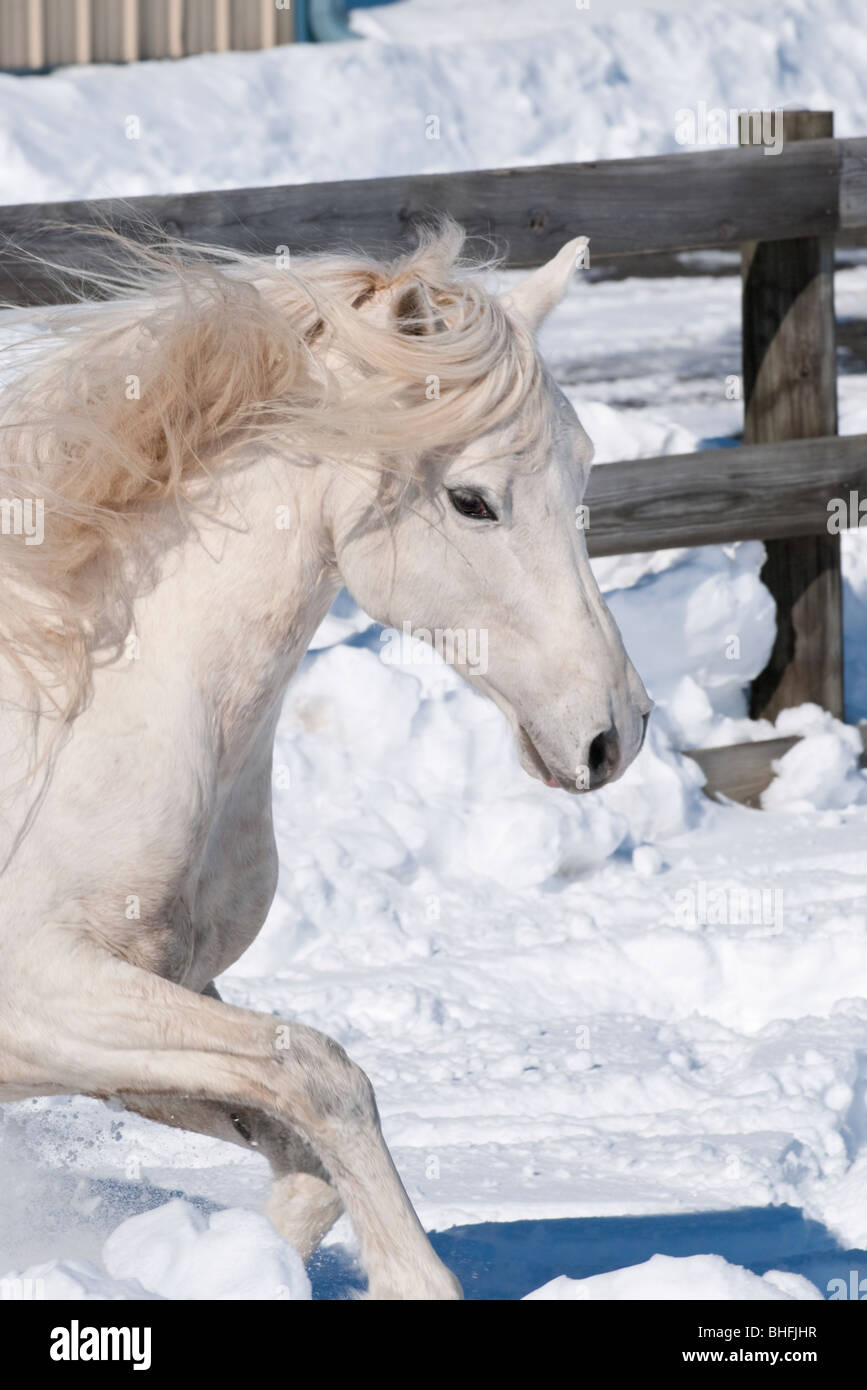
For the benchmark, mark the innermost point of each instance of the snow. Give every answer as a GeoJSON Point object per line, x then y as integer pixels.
{"type": "Point", "coordinates": [73, 1279]}
{"type": "Point", "coordinates": [822, 770]}
{"type": "Point", "coordinates": [663, 1278]}
{"type": "Point", "coordinates": [509, 81]}
{"type": "Point", "coordinates": [639, 1009]}
{"type": "Point", "coordinates": [175, 1251]}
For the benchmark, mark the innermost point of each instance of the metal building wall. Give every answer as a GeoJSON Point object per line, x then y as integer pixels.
{"type": "Point", "coordinates": [48, 33]}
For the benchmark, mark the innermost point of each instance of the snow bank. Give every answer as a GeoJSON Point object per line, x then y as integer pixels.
{"type": "Point", "coordinates": [72, 1279]}
{"type": "Point", "coordinates": [176, 1252]}
{"type": "Point", "coordinates": [822, 771]}
{"type": "Point", "coordinates": [663, 1278]}
{"type": "Point", "coordinates": [506, 84]}
{"type": "Point", "coordinates": [179, 1253]}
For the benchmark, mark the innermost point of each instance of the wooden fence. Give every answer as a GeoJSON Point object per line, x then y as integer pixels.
{"type": "Point", "coordinates": [628, 207]}
{"type": "Point", "coordinates": [783, 210]}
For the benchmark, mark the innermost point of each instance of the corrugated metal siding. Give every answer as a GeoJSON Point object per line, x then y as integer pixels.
{"type": "Point", "coordinates": [48, 33]}
{"type": "Point", "coordinates": [67, 28]}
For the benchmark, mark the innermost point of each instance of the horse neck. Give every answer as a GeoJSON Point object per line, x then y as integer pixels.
{"type": "Point", "coordinates": [241, 599]}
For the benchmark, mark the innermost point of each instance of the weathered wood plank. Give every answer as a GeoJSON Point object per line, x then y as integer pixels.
{"type": "Point", "coordinates": [710, 198]}
{"type": "Point", "coordinates": [742, 771]}
{"type": "Point", "coordinates": [853, 185]}
{"type": "Point", "coordinates": [718, 496]}
{"type": "Point", "coordinates": [790, 392]}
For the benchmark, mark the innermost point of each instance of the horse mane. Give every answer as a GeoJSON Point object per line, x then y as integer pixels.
{"type": "Point", "coordinates": [114, 409]}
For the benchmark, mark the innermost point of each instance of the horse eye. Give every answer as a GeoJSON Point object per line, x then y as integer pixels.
{"type": "Point", "coordinates": [471, 504]}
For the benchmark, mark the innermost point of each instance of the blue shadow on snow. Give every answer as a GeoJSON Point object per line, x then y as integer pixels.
{"type": "Point", "coordinates": [506, 1260]}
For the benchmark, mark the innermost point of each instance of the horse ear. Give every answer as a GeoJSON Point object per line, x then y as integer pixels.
{"type": "Point", "coordinates": [536, 296]}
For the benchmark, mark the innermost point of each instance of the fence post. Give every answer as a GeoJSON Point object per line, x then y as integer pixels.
{"type": "Point", "coordinates": [790, 392]}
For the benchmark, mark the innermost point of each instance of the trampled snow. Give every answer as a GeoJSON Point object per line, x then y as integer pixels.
{"type": "Point", "coordinates": [638, 1007]}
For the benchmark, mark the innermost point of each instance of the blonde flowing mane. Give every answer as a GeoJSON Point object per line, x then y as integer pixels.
{"type": "Point", "coordinates": [115, 409]}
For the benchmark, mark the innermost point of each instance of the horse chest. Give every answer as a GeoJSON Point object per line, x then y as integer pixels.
{"type": "Point", "coordinates": [235, 879]}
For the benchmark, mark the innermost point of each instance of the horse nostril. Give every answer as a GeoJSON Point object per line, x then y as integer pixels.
{"type": "Point", "coordinates": [644, 721]}
{"type": "Point", "coordinates": [603, 756]}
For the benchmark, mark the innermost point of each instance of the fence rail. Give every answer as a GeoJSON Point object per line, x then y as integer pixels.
{"type": "Point", "coordinates": [678, 202]}
{"type": "Point", "coordinates": [718, 496]}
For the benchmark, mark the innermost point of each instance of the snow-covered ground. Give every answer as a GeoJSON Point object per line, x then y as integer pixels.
{"type": "Point", "coordinates": [637, 1018]}
{"type": "Point", "coordinates": [510, 82]}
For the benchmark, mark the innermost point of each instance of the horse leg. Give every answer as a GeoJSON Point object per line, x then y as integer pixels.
{"type": "Point", "coordinates": [304, 1204]}
{"type": "Point", "coordinates": [94, 1024]}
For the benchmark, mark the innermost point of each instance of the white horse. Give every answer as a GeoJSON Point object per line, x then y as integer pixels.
{"type": "Point", "coordinates": [188, 476]}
